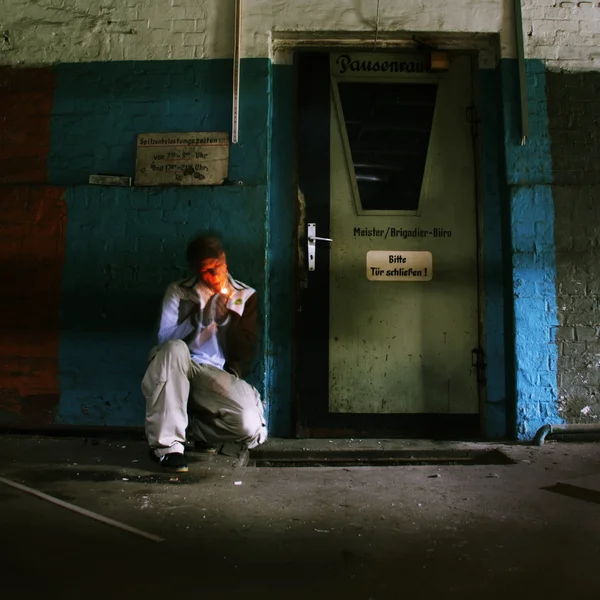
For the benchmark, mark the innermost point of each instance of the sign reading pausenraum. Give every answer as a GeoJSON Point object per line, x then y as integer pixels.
{"type": "Point", "coordinates": [396, 265]}
{"type": "Point", "coordinates": [364, 64]}
{"type": "Point", "coordinates": [196, 158]}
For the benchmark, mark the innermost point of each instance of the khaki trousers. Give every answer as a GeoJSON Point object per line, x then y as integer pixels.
{"type": "Point", "coordinates": [202, 401]}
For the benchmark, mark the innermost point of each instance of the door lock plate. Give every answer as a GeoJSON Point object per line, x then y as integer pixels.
{"type": "Point", "coordinates": [312, 239]}
{"type": "Point", "coordinates": [312, 232]}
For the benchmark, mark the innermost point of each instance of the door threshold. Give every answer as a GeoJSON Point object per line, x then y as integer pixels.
{"type": "Point", "coordinates": [448, 427]}
{"type": "Point", "coordinates": [312, 453]}
{"type": "Point", "coordinates": [377, 458]}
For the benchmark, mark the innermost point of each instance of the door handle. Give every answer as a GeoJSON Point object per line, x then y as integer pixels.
{"type": "Point", "coordinates": [312, 246]}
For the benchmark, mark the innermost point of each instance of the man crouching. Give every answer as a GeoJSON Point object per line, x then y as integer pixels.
{"type": "Point", "coordinates": [193, 385]}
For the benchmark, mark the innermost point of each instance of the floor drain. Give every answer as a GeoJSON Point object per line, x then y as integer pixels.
{"type": "Point", "coordinates": [375, 458]}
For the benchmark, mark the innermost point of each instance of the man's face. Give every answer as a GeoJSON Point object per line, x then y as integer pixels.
{"type": "Point", "coordinates": [213, 271]}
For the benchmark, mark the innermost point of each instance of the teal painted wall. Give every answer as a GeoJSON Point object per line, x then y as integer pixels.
{"type": "Point", "coordinates": [519, 254]}
{"type": "Point", "coordinates": [529, 181]}
{"type": "Point", "coordinates": [124, 245]}
{"type": "Point", "coordinates": [282, 213]}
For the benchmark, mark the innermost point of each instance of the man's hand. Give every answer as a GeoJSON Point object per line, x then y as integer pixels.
{"type": "Point", "coordinates": [219, 306]}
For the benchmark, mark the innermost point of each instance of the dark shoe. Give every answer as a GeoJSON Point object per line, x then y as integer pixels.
{"type": "Point", "coordinates": [174, 462]}
{"type": "Point", "coordinates": [205, 448]}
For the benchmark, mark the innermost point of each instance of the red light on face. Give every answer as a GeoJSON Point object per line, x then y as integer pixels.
{"type": "Point", "coordinates": [213, 272]}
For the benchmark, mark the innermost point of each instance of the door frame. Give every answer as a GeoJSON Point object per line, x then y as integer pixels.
{"type": "Point", "coordinates": [316, 422]}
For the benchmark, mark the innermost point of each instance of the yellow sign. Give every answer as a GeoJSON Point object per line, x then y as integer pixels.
{"type": "Point", "coordinates": [396, 265]}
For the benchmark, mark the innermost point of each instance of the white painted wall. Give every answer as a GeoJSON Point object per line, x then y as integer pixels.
{"type": "Point", "coordinates": [564, 33]}
{"type": "Point", "coordinates": [266, 19]}
{"type": "Point", "coordinates": [49, 31]}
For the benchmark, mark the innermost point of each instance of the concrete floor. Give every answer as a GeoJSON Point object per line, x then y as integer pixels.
{"type": "Point", "coordinates": [365, 533]}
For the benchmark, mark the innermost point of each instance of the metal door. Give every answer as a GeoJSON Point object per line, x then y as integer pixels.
{"type": "Point", "coordinates": [399, 277]}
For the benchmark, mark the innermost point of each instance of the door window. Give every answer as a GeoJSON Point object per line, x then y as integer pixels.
{"type": "Point", "coordinates": [386, 129]}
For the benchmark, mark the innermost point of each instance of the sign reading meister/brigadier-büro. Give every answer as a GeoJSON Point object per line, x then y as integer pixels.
{"type": "Point", "coordinates": [196, 158]}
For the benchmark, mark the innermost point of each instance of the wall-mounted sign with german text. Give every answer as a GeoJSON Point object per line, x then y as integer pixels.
{"type": "Point", "coordinates": [396, 265]}
{"type": "Point", "coordinates": [350, 65]}
{"type": "Point", "coordinates": [197, 158]}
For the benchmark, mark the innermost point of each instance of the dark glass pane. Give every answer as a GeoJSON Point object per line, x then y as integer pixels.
{"type": "Point", "coordinates": [388, 127]}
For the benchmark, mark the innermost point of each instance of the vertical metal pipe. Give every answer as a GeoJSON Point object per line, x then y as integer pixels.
{"type": "Point", "coordinates": [522, 72]}
{"type": "Point", "coordinates": [237, 45]}
{"type": "Point", "coordinates": [377, 25]}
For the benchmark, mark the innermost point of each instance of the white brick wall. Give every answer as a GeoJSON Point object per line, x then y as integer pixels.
{"type": "Point", "coordinates": [565, 34]}
{"type": "Point", "coordinates": [49, 31]}
{"type": "Point", "coordinates": [360, 18]}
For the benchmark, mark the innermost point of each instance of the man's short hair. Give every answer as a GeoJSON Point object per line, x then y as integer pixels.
{"type": "Point", "coordinates": [203, 247]}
